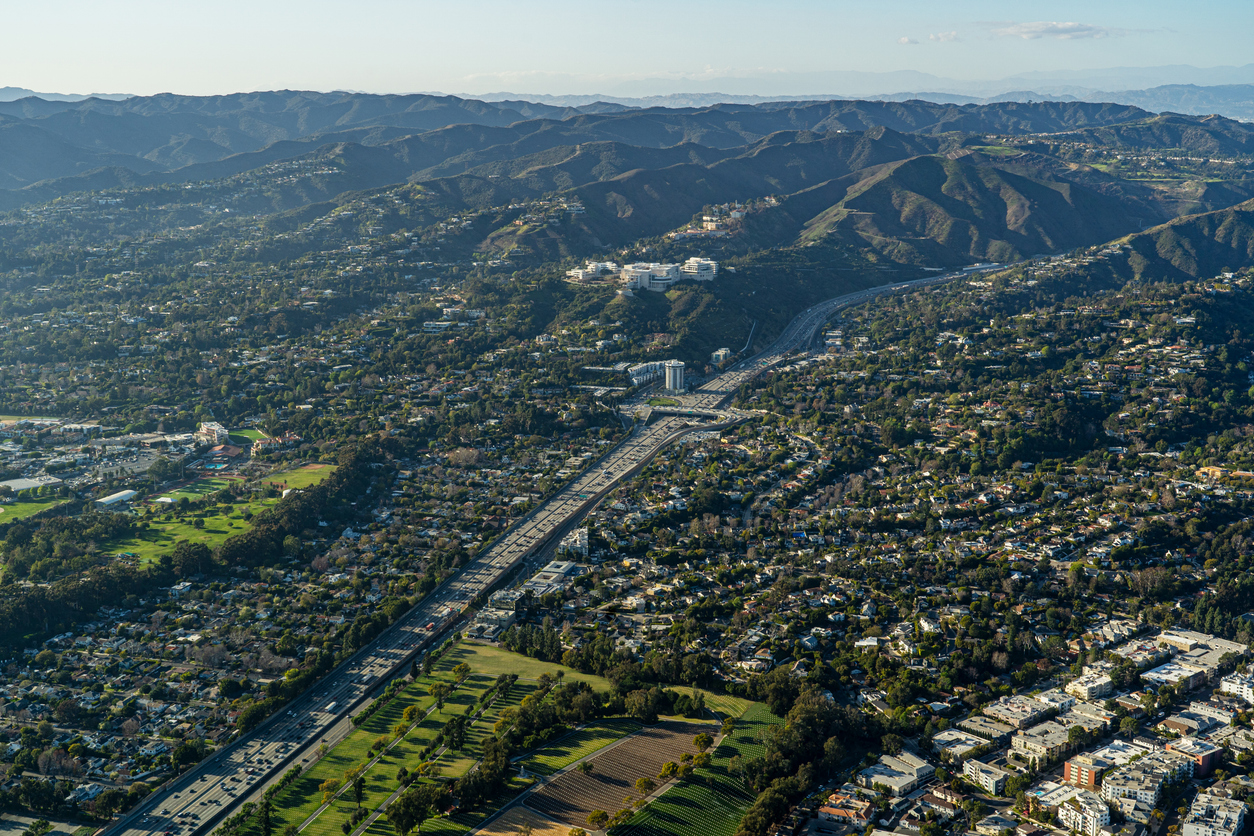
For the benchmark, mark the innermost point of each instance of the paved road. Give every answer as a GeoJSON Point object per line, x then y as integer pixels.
{"type": "Point", "coordinates": [800, 333]}
{"type": "Point", "coordinates": [215, 788]}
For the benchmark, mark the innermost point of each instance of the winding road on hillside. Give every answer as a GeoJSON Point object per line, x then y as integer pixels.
{"type": "Point", "coordinates": [216, 788]}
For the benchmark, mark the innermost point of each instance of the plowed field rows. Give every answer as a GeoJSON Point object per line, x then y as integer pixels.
{"type": "Point", "coordinates": [573, 795]}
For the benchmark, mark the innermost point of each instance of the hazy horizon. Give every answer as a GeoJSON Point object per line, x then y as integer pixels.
{"type": "Point", "coordinates": [640, 48]}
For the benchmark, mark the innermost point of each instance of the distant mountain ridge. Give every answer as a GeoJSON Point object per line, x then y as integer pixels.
{"type": "Point", "coordinates": [912, 182]}
{"type": "Point", "coordinates": [42, 142]}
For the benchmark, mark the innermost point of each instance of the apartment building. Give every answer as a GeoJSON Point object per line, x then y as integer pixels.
{"type": "Point", "coordinates": [1085, 812]}
{"type": "Point", "coordinates": [1091, 686]}
{"type": "Point", "coordinates": [1213, 815]}
{"type": "Point", "coordinates": [985, 776]}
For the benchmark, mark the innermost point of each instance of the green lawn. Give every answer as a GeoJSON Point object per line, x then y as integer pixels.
{"type": "Point", "coordinates": [381, 779]}
{"type": "Point", "coordinates": [486, 659]}
{"type": "Point", "coordinates": [301, 477]}
{"type": "Point", "coordinates": [714, 802]}
{"type": "Point", "coordinates": [579, 745]}
{"type": "Point", "coordinates": [456, 764]}
{"type": "Point", "coordinates": [725, 705]}
{"type": "Point", "coordinates": [247, 435]}
{"type": "Point", "coordinates": [461, 822]}
{"type": "Point", "coordinates": [301, 798]}
{"type": "Point", "coordinates": [161, 535]}
{"type": "Point", "coordinates": [24, 508]}
{"type": "Point", "coordinates": [199, 488]}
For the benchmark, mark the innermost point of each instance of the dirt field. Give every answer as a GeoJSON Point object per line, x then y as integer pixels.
{"type": "Point", "coordinates": [513, 821]}
{"type": "Point", "coordinates": [573, 795]}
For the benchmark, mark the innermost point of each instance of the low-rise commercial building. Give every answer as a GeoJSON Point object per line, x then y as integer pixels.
{"type": "Point", "coordinates": [1018, 712]}
{"type": "Point", "coordinates": [1240, 685]}
{"type": "Point", "coordinates": [955, 743]}
{"type": "Point", "coordinates": [990, 730]}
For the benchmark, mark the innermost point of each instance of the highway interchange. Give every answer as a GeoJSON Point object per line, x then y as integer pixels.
{"type": "Point", "coordinates": [214, 789]}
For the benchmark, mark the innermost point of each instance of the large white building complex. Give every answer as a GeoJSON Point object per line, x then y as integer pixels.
{"type": "Point", "coordinates": [660, 277]}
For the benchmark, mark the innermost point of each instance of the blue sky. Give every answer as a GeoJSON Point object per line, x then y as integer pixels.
{"type": "Point", "coordinates": [641, 47]}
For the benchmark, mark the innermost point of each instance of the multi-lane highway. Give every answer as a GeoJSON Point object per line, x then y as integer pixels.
{"type": "Point", "coordinates": [214, 789]}
{"type": "Point", "coordinates": [800, 333]}
{"type": "Point", "coordinates": [208, 793]}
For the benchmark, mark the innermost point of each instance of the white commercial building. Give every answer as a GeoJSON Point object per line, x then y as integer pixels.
{"type": "Point", "coordinates": [956, 742]}
{"type": "Point", "coordinates": [649, 276]}
{"type": "Point", "coordinates": [659, 277]}
{"type": "Point", "coordinates": [211, 432]}
{"type": "Point", "coordinates": [699, 269]}
{"type": "Point", "coordinates": [898, 774]}
{"type": "Point", "coordinates": [645, 372]}
{"type": "Point", "coordinates": [592, 270]}
{"type": "Point", "coordinates": [118, 498]}
{"type": "Point", "coordinates": [1143, 780]}
{"type": "Point", "coordinates": [674, 376]}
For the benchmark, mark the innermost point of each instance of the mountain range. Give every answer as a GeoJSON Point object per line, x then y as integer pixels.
{"type": "Point", "coordinates": [914, 182]}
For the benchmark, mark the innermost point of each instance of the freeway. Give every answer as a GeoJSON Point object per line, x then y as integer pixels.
{"type": "Point", "coordinates": [801, 332]}
{"type": "Point", "coordinates": [215, 789]}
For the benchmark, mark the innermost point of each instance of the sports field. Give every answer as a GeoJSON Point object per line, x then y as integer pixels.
{"type": "Point", "coordinates": [198, 489]}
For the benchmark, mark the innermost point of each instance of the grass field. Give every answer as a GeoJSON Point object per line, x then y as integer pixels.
{"type": "Point", "coordinates": [301, 477]}
{"type": "Point", "coordinates": [301, 798]}
{"type": "Point", "coordinates": [15, 511]}
{"type": "Point", "coordinates": [495, 660]}
{"type": "Point", "coordinates": [724, 705]}
{"type": "Point", "coordinates": [578, 745]}
{"type": "Point", "coordinates": [247, 436]}
{"type": "Point", "coordinates": [199, 488]}
{"type": "Point", "coordinates": [486, 659]}
{"type": "Point", "coordinates": [381, 779]}
{"type": "Point", "coordinates": [162, 534]}
{"type": "Point", "coordinates": [714, 802]}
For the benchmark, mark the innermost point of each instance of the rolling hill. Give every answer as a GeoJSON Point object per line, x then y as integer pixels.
{"type": "Point", "coordinates": [169, 138]}
{"type": "Point", "coordinates": [1195, 246]}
